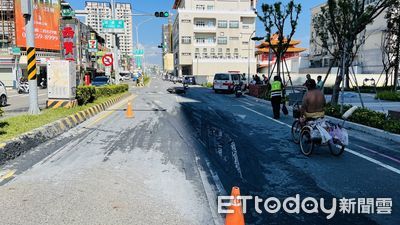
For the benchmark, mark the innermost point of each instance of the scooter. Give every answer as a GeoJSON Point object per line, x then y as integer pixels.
{"type": "Point", "coordinates": [23, 87]}
{"type": "Point", "coordinates": [43, 84]}
{"type": "Point", "coordinates": [239, 90]}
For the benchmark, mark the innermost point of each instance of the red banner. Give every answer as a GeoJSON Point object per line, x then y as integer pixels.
{"type": "Point", "coordinates": [47, 22]}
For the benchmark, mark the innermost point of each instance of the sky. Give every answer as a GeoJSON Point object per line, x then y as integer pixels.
{"type": "Point", "coordinates": [150, 32]}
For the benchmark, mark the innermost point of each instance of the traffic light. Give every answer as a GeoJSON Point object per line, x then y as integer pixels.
{"type": "Point", "coordinates": [161, 14]}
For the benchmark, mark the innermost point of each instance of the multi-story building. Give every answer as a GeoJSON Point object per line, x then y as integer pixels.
{"type": "Point", "coordinates": [369, 57]}
{"type": "Point", "coordinates": [98, 11]}
{"type": "Point", "coordinates": [213, 36]}
{"type": "Point", "coordinates": [166, 43]}
{"type": "Point", "coordinates": [166, 37]}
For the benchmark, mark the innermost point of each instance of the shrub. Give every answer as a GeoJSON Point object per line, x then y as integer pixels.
{"type": "Point", "coordinates": [85, 94]}
{"type": "Point", "coordinates": [207, 85]}
{"type": "Point", "coordinates": [111, 90]}
{"type": "Point", "coordinates": [369, 118]}
{"type": "Point", "coordinates": [334, 111]}
{"type": "Point", "coordinates": [392, 126]}
{"type": "Point", "coordinates": [146, 79]}
{"type": "Point", "coordinates": [388, 95]}
{"type": "Point", "coordinates": [366, 117]}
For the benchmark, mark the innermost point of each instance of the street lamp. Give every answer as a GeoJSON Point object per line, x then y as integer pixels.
{"type": "Point", "coordinates": [248, 65]}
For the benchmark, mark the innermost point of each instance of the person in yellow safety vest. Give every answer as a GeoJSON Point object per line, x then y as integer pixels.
{"type": "Point", "coordinates": [276, 96]}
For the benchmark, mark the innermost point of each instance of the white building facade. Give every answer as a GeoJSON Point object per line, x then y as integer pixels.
{"type": "Point", "coordinates": [214, 36]}
{"type": "Point", "coordinates": [369, 57]}
{"type": "Point", "coordinates": [98, 11]}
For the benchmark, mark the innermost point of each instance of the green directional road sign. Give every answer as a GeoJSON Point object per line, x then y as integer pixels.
{"type": "Point", "coordinates": [113, 24]}
{"type": "Point", "coordinates": [138, 53]}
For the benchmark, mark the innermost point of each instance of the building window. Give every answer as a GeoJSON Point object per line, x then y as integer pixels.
{"type": "Point", "coordinates": [186, 21]}
{"type": "Point", "coordinates": [212, 55]}
{"type": "Point", "coordinates": [205, 55]}
{"type": "Point", "coordinates": [245, 42]}
{"type": "Point", "coordinates": [213, 50]}
{"type": "Point", "coordinates": [236, 50]}
{"type": "Point", "coordinates": [197, 50]}
{"type": "Point", "coordinates": [200, 23]}
{"type": "Point", "coordinates": [210, 7]}
{"type": "Point", "coordinates": [200, 40]}
{"type": "Point", "coordinates": [186, 54]}
{"type": "Point", "coordinates": [228, 55]}
{"type": "Point", "coordinates": [228, 50]}
{"type": "Point", "coordinates": [222, 24]}
{"type": "Point", "coordinates": [204, 49]}
{"type": "Point", "coordinates": [197, 55]}
{"type": "Point", "coordinates": [234, 24]}
{"type": "Point", "coordinates": [234, 38]}
{"type": "Point", "coordinates": [246, 26]}
{"type": "Point", "coordinates": [186, 40]}
{"type": "Point", "coordinates": [222, 41]}
{"type": "Point", "coordinates": [236, 55]}
{"type": "Point", "coordinates": [200, 7]}
{"type": "Point", "coordinates": [220, 50]}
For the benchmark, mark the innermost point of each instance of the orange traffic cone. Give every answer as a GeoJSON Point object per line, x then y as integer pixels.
{"type": "Point", "coordinates": [129, 111]}
{"type": "Point", "coordinates": [235, 218]}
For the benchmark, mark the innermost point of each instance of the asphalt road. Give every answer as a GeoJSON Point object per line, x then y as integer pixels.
{"type": "Point", "coordinates": [19, 103]}
{"type": "Point", "coordinates": [168, 164]}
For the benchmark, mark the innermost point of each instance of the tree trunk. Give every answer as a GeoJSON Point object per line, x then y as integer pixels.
{"type": "Point", "coordinates": [336, 90]}
{"type": "Point", "coordinates": [397, 60]}
{"type": "Point", "coordinates": [396, 65]}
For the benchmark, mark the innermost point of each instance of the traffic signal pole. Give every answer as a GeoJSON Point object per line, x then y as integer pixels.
{"type": "Point", "coordinates": [27, 10]}
{"type": "Point", "coordinates": [115, 48]}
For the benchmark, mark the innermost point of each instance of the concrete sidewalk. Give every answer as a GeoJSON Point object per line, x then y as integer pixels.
{"type": "Point", "coordinates": [352, 98]}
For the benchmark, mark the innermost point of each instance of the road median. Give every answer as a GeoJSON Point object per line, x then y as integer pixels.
{"type": "Point", "coordinates": [52, 123]}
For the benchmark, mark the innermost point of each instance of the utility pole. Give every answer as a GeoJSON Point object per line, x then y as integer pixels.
{"type": "Point", "coordinates": [27, 11]}
{"type": "Point", "coordinates": [115, 48]}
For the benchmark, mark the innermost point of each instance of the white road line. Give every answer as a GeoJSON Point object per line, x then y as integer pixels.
{"type": "Point", "coordinates": [245, 102]}
{"type": "Point", "coordinates": [374, 161]}
{"type": "Point", "coordinates": [254, 111]}
{"type": "Point", "coordinates": [347, 149]}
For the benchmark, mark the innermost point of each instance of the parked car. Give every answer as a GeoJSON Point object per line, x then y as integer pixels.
{"type": "Point", "coordinates": [125, 75]}
{"type": "Point", "coordinates": [225, 82]}
{"type": "Point", "coordinates": [3, 94]}
{"type": "Point", "coordinates": [100, 81]}
{"type": "Point", "coordinates": [190, 80]}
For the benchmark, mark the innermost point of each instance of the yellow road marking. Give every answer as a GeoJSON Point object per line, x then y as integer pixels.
{"type": "Point", "coordinates": [8, 175]}
{"type": "Point", "coordinates": [118, 106]}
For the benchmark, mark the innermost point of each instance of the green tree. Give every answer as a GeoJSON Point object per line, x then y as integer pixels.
{"type": "Point", "coordinates": [276, 18]}
{"type": "Point", "coordinates": [392, 44]}
{"type": "Point", "coordinates": [340, 25]}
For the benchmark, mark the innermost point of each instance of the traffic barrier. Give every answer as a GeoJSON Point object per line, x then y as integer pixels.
{"type": "Point", "coordinates": [31, 66]}
{"type": "Point", "coordinates": [54, 104]}
{"type": "Point", "coordinates": [129, 111]}
{"type": "Point", "coordinates": [235, 218]}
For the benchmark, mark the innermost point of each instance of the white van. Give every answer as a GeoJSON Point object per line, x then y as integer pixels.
{"type": "Point", "coordinates": [225, 82]}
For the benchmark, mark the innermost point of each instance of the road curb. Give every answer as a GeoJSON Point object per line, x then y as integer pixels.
{"type": "Point", "coordinates": [15, 147]}
{"type": "Point", "coordinates": [353, 126]}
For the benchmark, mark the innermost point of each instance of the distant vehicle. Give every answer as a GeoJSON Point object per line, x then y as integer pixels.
{"type": "Point", "coordinates": [126, 75]}
{"type": "Point", "coordinates": [176, 79]}
{"type": "Point", "coordinates": [190, 80]}
{"type": "Point", "coordinates": [3, 94]}
{"type": "Point", "coordinates": [225, 82]}
{"type": "Point", "coordinates": [100, 81]}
